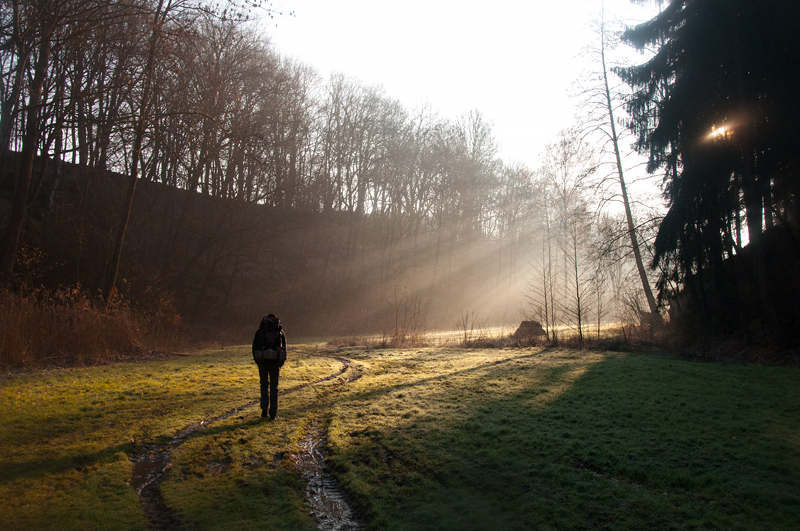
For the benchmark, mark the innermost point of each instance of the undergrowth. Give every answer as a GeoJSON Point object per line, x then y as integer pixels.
{"type": "Point", "coordinates": [614, 338]}
{"type": "Point", "coordinates": [70, 326]}
{"type": "Point", "coordinates": [618, 337]}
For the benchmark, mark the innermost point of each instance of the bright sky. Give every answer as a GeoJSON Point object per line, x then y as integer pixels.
{"type": "Point", "coordinates": [513, 60]}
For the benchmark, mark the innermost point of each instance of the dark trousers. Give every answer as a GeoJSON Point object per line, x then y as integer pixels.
{"type": "Point", "coordinates": [269, 372]}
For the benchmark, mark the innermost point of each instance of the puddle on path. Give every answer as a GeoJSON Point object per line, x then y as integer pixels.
{"type": "Point", "coordinates": [326, 501]}
{"type": "Point", "coordinates": [149, 467]}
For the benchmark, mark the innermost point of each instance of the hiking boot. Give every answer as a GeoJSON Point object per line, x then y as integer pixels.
{"type": "Point", "coordinates": [272, 416]}
{"type": "Point", "coordinates": [264, 413]}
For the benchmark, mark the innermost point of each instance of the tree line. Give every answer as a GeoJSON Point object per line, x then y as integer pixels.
{"type": "Point", "coordinates": [233, 155]}
{"type": "Point", "coordinates": [166, 141]}
{"type": "Point", "coordinates": [171, 92]}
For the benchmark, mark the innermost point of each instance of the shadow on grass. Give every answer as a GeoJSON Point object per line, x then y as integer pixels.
{"type": "Point", "coordinates": [10, 472]}
{"type": "Point", "coordinates": [629, 442]}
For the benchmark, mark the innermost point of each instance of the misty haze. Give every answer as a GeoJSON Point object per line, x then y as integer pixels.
{"type": "Point", "coordinates": [450, 333]}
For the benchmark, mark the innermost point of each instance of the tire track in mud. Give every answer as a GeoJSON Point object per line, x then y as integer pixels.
{"type": "Point", "coordinates": [151, 465]}
{"type": "Point", "coordinates": [325, 501]}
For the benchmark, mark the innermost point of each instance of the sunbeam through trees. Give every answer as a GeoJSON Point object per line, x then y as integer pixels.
{"type": "Point", "coordinates": [165, 147]}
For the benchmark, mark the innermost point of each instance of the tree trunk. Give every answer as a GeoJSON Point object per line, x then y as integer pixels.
{"type": "Point", "coordinates": [141, 123]}
{"type": "Point", "coordinates": [29, 144]}
{"type": "Point", "coordinates": [9, 104]}
{"type": "Point", "coordinates": [637, 255]}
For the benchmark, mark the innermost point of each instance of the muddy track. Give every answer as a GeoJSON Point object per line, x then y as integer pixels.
{"type": "Point", "coordinates": [325, 501]}
{"type": "Point", "coordinates": [150, 465]}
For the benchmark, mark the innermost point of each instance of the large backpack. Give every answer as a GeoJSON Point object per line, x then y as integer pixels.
{"type": "Point", "coordinates": [267, 342]}
{"type": "Point", "coordinates": [267, 339]}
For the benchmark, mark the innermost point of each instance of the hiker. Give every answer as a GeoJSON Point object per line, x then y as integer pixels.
{"type": "Point", "coordinates": [269, 338]}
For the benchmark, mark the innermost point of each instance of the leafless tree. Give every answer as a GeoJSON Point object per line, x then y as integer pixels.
{"type": "Point", "coordinates": [563, 269]}
{"type": "Point", "coordinates": [32, 32]}
{"type": "Point", "coordinates": [603, 105]}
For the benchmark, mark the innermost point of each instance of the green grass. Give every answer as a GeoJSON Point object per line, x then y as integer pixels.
{"type": "Point", "coordinates": [430, 438]}
{"type": "Point", "coordinates": [66, 436]}
{"type": "Point", "coordinates": [569, 440]}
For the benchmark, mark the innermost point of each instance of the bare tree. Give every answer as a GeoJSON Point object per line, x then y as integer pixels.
{"type": "Point", "coordinates": [602, 102]}
{"type": "Point", "coordinates": [162, 10]}
{"type": "Point", "coordinates": [31, 34]}
{"type": "Point", "coordinates": [563, 270]}
{"type": "Point", "coordinates": [542, 285]}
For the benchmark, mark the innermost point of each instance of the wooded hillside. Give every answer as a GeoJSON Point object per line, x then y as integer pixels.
{"type": "Point", "coordinates": [165, 147]}
{"type": "Point", "coordinates": [162, 150]}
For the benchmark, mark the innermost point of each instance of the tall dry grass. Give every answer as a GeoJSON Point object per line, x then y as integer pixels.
{"type": "Point", "coordinates": [69, 327]}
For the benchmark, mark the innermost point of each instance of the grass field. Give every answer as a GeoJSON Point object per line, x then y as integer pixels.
{"type": "Point", "coordinates": [67, 436]}
{"type": "Point", "coordinates": [431, 438]}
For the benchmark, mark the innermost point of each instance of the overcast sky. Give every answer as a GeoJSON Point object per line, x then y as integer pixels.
{"type": "Point", "coordinates": [515, 61]}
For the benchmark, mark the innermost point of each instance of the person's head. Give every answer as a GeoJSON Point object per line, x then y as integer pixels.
{"type": "Point", "coordinates": [272, 316]}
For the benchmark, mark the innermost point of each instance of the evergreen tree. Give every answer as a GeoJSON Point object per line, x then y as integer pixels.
{"type": "Point", "coordinates": [714, 110]}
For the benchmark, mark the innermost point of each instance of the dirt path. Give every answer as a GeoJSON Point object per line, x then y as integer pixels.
{"type": "Point", "coordinates": [151, 465]}
{"type": "Point", "coordinates": [325, 500]}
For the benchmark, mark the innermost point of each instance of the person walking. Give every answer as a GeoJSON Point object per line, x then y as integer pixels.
{"type": "Point", "coordinates": [269, 336]}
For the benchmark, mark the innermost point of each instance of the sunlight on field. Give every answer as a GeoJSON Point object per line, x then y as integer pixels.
{"type": "Point", "coordinates": [458, 337]}
{"type": "Point", "coordinates": [561, 439]}
{"type": "Point", "coordinates": [502, 438]}
{"type": "Point", "coordinates": [68, 435]}
{"type": "Point", "coordinates": [447, 337]}
{"type": "Point", "coordinates": [404, 388]}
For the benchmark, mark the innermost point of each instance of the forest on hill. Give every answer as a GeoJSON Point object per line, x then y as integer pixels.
{"type": "Point", "coordinates": [162, 153]}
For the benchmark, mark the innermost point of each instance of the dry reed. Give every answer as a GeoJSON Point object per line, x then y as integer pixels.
{"type": "Point", "coordinates": [68, 327]}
